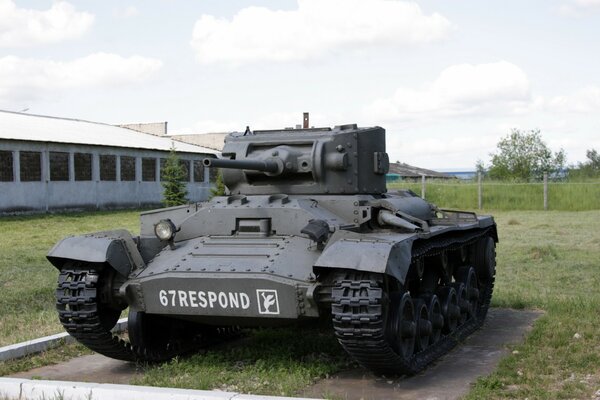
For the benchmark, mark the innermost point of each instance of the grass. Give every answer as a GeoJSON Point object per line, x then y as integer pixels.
{"type": "Point", "coordinates": [268, 361]}
{"type": "Point", "coordinates": [563, 196]}
{"type": "Point", "coordinates": [549, 261]}
{"type": "Point", "coordinates": [546, 260]}
{"type": "Point", "coordinates": [27, 279]}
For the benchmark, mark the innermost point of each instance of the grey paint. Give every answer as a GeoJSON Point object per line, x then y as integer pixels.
{"type": "Point", "coordinates": [116, 248]}
{"type": "Point", "coordinates": [342, 160]}
{"type": "Point", "coordinates": [47, 195]}
{"type": "Point", "coordinates": [381, 253]}
{"type": "Point", "coordinates": [251, 240]}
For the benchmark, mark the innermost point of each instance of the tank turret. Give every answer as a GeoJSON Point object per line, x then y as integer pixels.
{"type": "Point", "coordinates": [342, 160]}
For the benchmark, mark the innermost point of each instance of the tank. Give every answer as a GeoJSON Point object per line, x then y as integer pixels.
{"type": "Point", "coordinates": [307, 231]}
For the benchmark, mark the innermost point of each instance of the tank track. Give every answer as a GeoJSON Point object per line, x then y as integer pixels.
{"type": "Point", "coordinates": [82, 315]}
{"type": "Point", "coordinates": [359, 320]}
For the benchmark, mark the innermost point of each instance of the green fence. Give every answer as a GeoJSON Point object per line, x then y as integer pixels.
{"type": "Point", "coordinates": [564, 196]}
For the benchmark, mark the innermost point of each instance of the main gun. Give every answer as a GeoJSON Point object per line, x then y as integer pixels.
{"type": "Point", "coordinates": [271, 166]}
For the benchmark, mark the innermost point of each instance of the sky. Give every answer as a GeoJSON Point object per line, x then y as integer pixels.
{"type": "Point", "coordinates": [446, 79]}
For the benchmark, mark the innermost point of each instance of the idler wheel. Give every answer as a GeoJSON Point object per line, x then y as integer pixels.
{"type": "Point", "coordinates": [450, 308]}
{"type": "Point", "coordinates": [484, 258]}
{"type": "Point", "coordinates": [435, 317]}
{"type": "Point", "coordinates": [462, 301]}
{"type": "Point", "coordinates": [468, 277]}
{"type": "Point", "coordinates": [424, 325]}
{"type": "Point", "coordinates": [402, 326]}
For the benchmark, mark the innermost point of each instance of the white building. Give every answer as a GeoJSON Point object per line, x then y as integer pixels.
{"type": "Point", "coordinates": [49, 163]}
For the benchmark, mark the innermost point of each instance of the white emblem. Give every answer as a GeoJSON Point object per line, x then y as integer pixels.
{"type": "Point", "coordinates": [267, 301]}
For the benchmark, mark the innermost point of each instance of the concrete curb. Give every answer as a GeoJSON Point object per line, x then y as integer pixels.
{"type": "Point", "coordinates": [24, 389]}
{"type": "Point", "coordinates": [44, 343]}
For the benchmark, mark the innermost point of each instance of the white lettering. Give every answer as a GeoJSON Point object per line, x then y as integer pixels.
{"type": "Point", "coordinates": [173, 293]}
{"type": "Point", "coordinates": [233, 300]}
{"type": "Point", "coordinates": [212, 297]}
{"type": "Point", "coordinates": [202, 299]}
{"type": "Point", "coordinates": [162, 295]}
{"type": "Point", "coordinates": [193, 301]}
{"type": "Point", "coordinates": [183, 299]}
{"type": "Point", "coordinates": [245, 301]}
{"type": "Point", "coordinates": [223, 300]}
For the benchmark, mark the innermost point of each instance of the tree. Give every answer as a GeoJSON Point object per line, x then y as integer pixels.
{"type": "Point", "coordinates": [480, 168]}
{"type": "Point", "coordinates": [587, 169]}
{"type": "Point", "coordinates": [523, 155]}
{"type": "Point", "coordinates": [219, 189]}
{"type": "Point", "coordinates": [173, 175]}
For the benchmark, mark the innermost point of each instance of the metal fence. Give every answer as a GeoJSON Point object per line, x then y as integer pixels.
{"type": "Point", "coordinates": [486, 194]}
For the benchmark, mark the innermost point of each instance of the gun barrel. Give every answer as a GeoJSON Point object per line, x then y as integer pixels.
{"type": "Point", "coordinates": [255, 165]}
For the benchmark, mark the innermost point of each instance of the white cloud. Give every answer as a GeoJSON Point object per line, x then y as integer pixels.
{"type": "Point", "coordinates": [315, 28]}
{"type": "Point", "coordinates": [463, 89]}
{"type": "Point", "coordinates": [126, 12]}
{"type": "Point", "coordinates": [26, 78]}
{"type": "Point", "coordinates": [21, 27]}
{"type": "Point", "coordinates": [585, 100]}
{"type": "Point", "coordinates": [578, 8]}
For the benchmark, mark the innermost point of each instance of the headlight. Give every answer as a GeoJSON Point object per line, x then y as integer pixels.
{"type": "Point", "coordinates": [165, 230]}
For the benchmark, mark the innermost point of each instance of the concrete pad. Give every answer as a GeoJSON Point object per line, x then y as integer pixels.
{"type": "Point", "coordinates": [450, 377]}
{"type": "Point", "coordinates": [12, 388]}
{"type": "Point", "coordinates": [92, 368]}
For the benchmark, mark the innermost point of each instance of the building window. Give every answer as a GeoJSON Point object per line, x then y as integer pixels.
{"type": "Point", "coordinates": [148, 169]}
{"type": "Point", "coordinates": [127, 168]}
{"type": "Point", "coordinates": [185, 164]}
{"type": "Point", "coordinates": [163, 163]}
{"type": "Point", "coordinates": [83, 166]}
{"type": "Point", "coordinates": [198, 171]}
{"type": "Point", "coordinates": [31, 166]}
{"type": "Point", "coordinates": [108, 167]}
{"type": "Point", "coordinates": [6, 166]}
{"type": "Point", "coordinates": [59, 166]}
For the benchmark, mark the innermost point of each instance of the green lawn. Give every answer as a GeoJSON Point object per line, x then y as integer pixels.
{"type": "Point", "coordinates": [546, 260]}
{"type": "Point", "coordinates": [562, 196]}
{"type": "Point", "coordinates": [27, 279]}
{"type": "Point", "coordinates": [549, 261]}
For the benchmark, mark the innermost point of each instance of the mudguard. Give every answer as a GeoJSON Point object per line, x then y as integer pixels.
{"type": "Point", "coordinates": [360, 252]}
{"type": "Point", "coordinates": [117, 248]}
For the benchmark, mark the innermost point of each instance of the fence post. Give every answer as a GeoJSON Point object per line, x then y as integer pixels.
{"type": "Point", "coordinates": [479, 191]}
{"type": "Point", "coordinates": [545, 191]}
{"type": "Point", "coordinates": [422, 186]}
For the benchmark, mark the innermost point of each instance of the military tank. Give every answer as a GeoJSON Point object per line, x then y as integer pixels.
{"type": "Point", "coordinates": [307, 231]}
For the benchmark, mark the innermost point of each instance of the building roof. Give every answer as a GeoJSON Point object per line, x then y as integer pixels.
{"type": "Point", "coordinates": [214, 141]}
{"type": "Point", "coordinates": [39, 128]}
{"type": "Point", "coordinates": [409, 171]}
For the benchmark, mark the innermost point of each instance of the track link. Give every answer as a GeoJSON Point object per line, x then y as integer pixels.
{"type": "Point", "coordinates": [90, 322]}
{"type": "Point", "coordinates": [359, 316]}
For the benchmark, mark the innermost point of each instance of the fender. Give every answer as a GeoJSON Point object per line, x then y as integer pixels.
{"type": "Point", "coordinates": [369, 253]}
{"type": "Point", "coordinates": [117, 248]}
